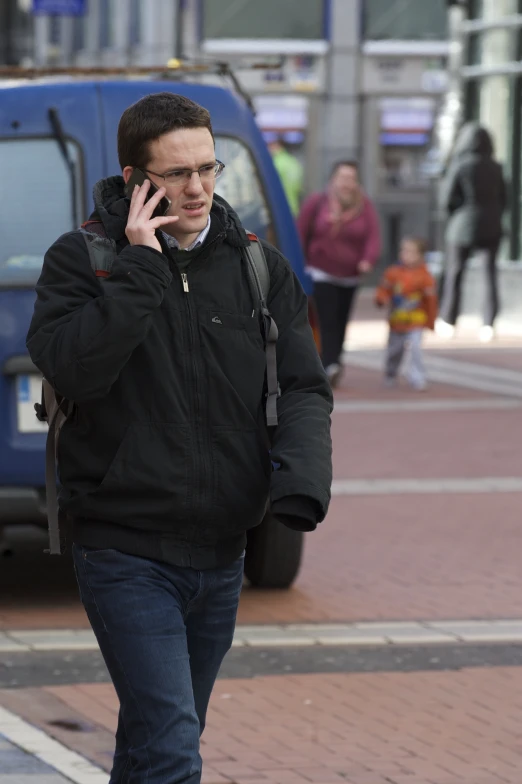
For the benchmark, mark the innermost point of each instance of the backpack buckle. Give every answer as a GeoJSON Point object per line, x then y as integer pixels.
{"type": "Point", "coordinates": [277, 394]}
{"type": "Point", "coordinates": [41, 413]}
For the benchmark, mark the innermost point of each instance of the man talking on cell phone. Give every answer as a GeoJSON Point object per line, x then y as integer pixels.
{"type": "Point", "coordinates": [167, 459]}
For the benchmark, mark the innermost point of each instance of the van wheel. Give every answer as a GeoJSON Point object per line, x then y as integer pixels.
{"type": "Point", "coordinates": [273, 554]}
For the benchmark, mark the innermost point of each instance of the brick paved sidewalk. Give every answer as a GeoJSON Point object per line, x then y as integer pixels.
{"type": "Point", "coordinates": [414, 728]}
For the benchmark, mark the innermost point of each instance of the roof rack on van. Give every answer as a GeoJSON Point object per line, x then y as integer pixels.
{"type": "Point", "coordinates": [174, 67]}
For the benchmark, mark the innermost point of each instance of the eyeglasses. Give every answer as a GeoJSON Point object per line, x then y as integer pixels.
{"type": "Point", "coordinates": [180, 177]}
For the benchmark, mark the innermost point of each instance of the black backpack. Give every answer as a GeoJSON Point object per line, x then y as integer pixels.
{"type": "Point", "coordinates": [55, 410]}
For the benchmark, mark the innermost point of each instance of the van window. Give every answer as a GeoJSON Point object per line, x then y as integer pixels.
{"type": "Point", "coordinates": [240, 186]}
{"type": "Point", "coordinates": [35, 191]}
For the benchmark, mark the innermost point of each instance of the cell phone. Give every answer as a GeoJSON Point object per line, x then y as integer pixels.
{"type": "Point", "coordinates": [138, 177]}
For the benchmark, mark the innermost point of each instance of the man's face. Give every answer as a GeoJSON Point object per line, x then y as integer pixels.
{"type": "Point", "coordinates": [185, 148]}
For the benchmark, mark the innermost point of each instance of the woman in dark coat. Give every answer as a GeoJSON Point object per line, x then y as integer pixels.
{"type": "Point", "coordinates": [474, 195]}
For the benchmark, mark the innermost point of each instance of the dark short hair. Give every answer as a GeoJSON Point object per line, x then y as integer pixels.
{"type": "Point", "coordinates": [339, 164]}
{"type": "Point", "coordinates": [419, 242]}
{"type": "Point", "coordinates": [154, 116]}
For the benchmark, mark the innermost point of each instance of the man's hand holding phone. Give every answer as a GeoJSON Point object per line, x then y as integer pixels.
{"type": "Point", "coordinates": [141, 225]}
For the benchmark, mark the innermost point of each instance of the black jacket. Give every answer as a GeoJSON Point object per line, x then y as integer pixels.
{"type": "Point", "coordinates": [474, 191]}
{"type": "Point", "coordinates": [167, 455]}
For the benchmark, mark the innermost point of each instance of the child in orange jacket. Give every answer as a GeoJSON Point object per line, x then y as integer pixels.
{"type": "Point", "coordinates": [409, 290]}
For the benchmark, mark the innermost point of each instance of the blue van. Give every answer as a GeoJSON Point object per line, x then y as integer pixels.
{"type": "Point", "coordinates": [57, 139]}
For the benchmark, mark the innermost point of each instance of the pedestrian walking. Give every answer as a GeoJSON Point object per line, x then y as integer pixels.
{"type": "Point", "coordinates": [474, 196]}
{"type": "Point", "coordinates": [409, 290]}
{"type": "Point", "coordinates": [167, 459]}
{"type": "Point", "coordinates": [340, 234]}
{"type": "Point", "coordinates": [291, 174]}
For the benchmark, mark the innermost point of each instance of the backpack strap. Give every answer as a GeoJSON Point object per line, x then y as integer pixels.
{"type": "Point", "coordinates": [102, 250]}
{"type": "Point", "coordinates": [55, 412]}
{"type": "Point", "coordinates": [260, 275]}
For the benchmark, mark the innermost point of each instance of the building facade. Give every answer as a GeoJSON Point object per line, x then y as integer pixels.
{"type": "Point", "coordinates": [341, 79]}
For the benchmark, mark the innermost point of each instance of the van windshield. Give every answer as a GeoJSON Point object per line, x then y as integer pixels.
{"type": "Point", "coordinates": [36, 204]}
{"type": "Point", "coordinates": [36, 200]}
{"type": "Point", "coordinates": [240, 186]}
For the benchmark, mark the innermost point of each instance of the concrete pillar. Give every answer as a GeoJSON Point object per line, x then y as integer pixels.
{"type": "Point", "coordinates": [121, 11]}
{"type": "Point", "coordinates": [41, 39]}
{"type": "Point", "coordinates": [66, 39]}
{"type": "Point", "coordinates": [339, 131]}
{"type": "Point", "coordinates": [158, 34]}
{"type": "Point", "coordinates": [189, 21]}
{"type": "Point", "coordinates": [92, 33]}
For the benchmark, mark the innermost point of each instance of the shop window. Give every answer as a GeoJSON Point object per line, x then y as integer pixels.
{"type": "Point", "coordinates": [388, 19]}
{"type": "Point", "coordinates": [298, 19]}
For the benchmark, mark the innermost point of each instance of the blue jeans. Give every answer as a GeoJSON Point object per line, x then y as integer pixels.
{"type": "Point", "coordinates": [163, 632]}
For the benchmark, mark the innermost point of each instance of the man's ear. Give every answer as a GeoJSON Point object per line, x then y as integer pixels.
{"type": "Point", "coordinates": [127, 172]}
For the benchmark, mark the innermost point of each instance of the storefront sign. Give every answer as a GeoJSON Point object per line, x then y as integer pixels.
{"type": "Point", "coordinates": [402, 76]}
{"type": "Point", "coordinates": [59, 7]}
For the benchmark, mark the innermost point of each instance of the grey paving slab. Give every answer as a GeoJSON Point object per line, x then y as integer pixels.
{"type": "Point", "coordinates": [421, 637]}
{"type": "Point", "coordinates": [9, 645]}
{"type": "Point", "coordinates": [17, 778]}
{"type": "Point", "coordinates": [278, 640]}
{"type": "Point", "coordinates": [362, 633]}
{"type": "Point", "coordinates": [387, 626]}
{"type": "Point", "coordinates": [463, 626]}
{"type": "Point", "coordinates": [55, 639]}
{"type": "Point", "coordinates": [352, 637]}
{"type": "Point", "coordinates": [313, 629]}
{"type": "Point", "coordinates": [404, 633]}
{"type": "Point", "coordinates": [271, 635]}
{"type": "Point", "coordinates": [503, 484]}
{"type": "Point", "coordinates": [491, 635]}
{"type": "Point", "coordinates": [19, 767]}
{"type": "Point", "coordinates": [410, 406]}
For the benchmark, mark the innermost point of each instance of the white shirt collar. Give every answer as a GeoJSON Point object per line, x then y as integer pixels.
{"type": "Point", "coordinates": [200, 239]}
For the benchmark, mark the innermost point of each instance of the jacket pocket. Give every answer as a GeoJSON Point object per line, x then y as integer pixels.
{"type": "Point", "coordinates": [235, 367]}
{"type": "Point", "coordinates": [148, 476]}
{"type": "Point", "coordinates": [243, 471]}
{"type": "Point", "coordinates": [219, 318]}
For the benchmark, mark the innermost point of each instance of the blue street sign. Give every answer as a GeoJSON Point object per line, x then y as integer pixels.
{"type": "Point", "coordinates": [60, 7]}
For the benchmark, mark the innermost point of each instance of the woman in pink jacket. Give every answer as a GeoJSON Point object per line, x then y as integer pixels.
{"type": "Point", "coordinates": [339, 230]}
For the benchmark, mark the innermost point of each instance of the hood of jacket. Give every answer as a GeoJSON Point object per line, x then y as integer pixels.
{"type": "Point", "coordinates": [474, 139]}
{"type": "Point", "coordinates": [111, 207]}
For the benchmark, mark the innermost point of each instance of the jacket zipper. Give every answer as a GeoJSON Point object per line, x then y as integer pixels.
{"type": "Point", "coordinates": [200, 479]}
{"type": "Point", "coordinates": [200, 469]}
